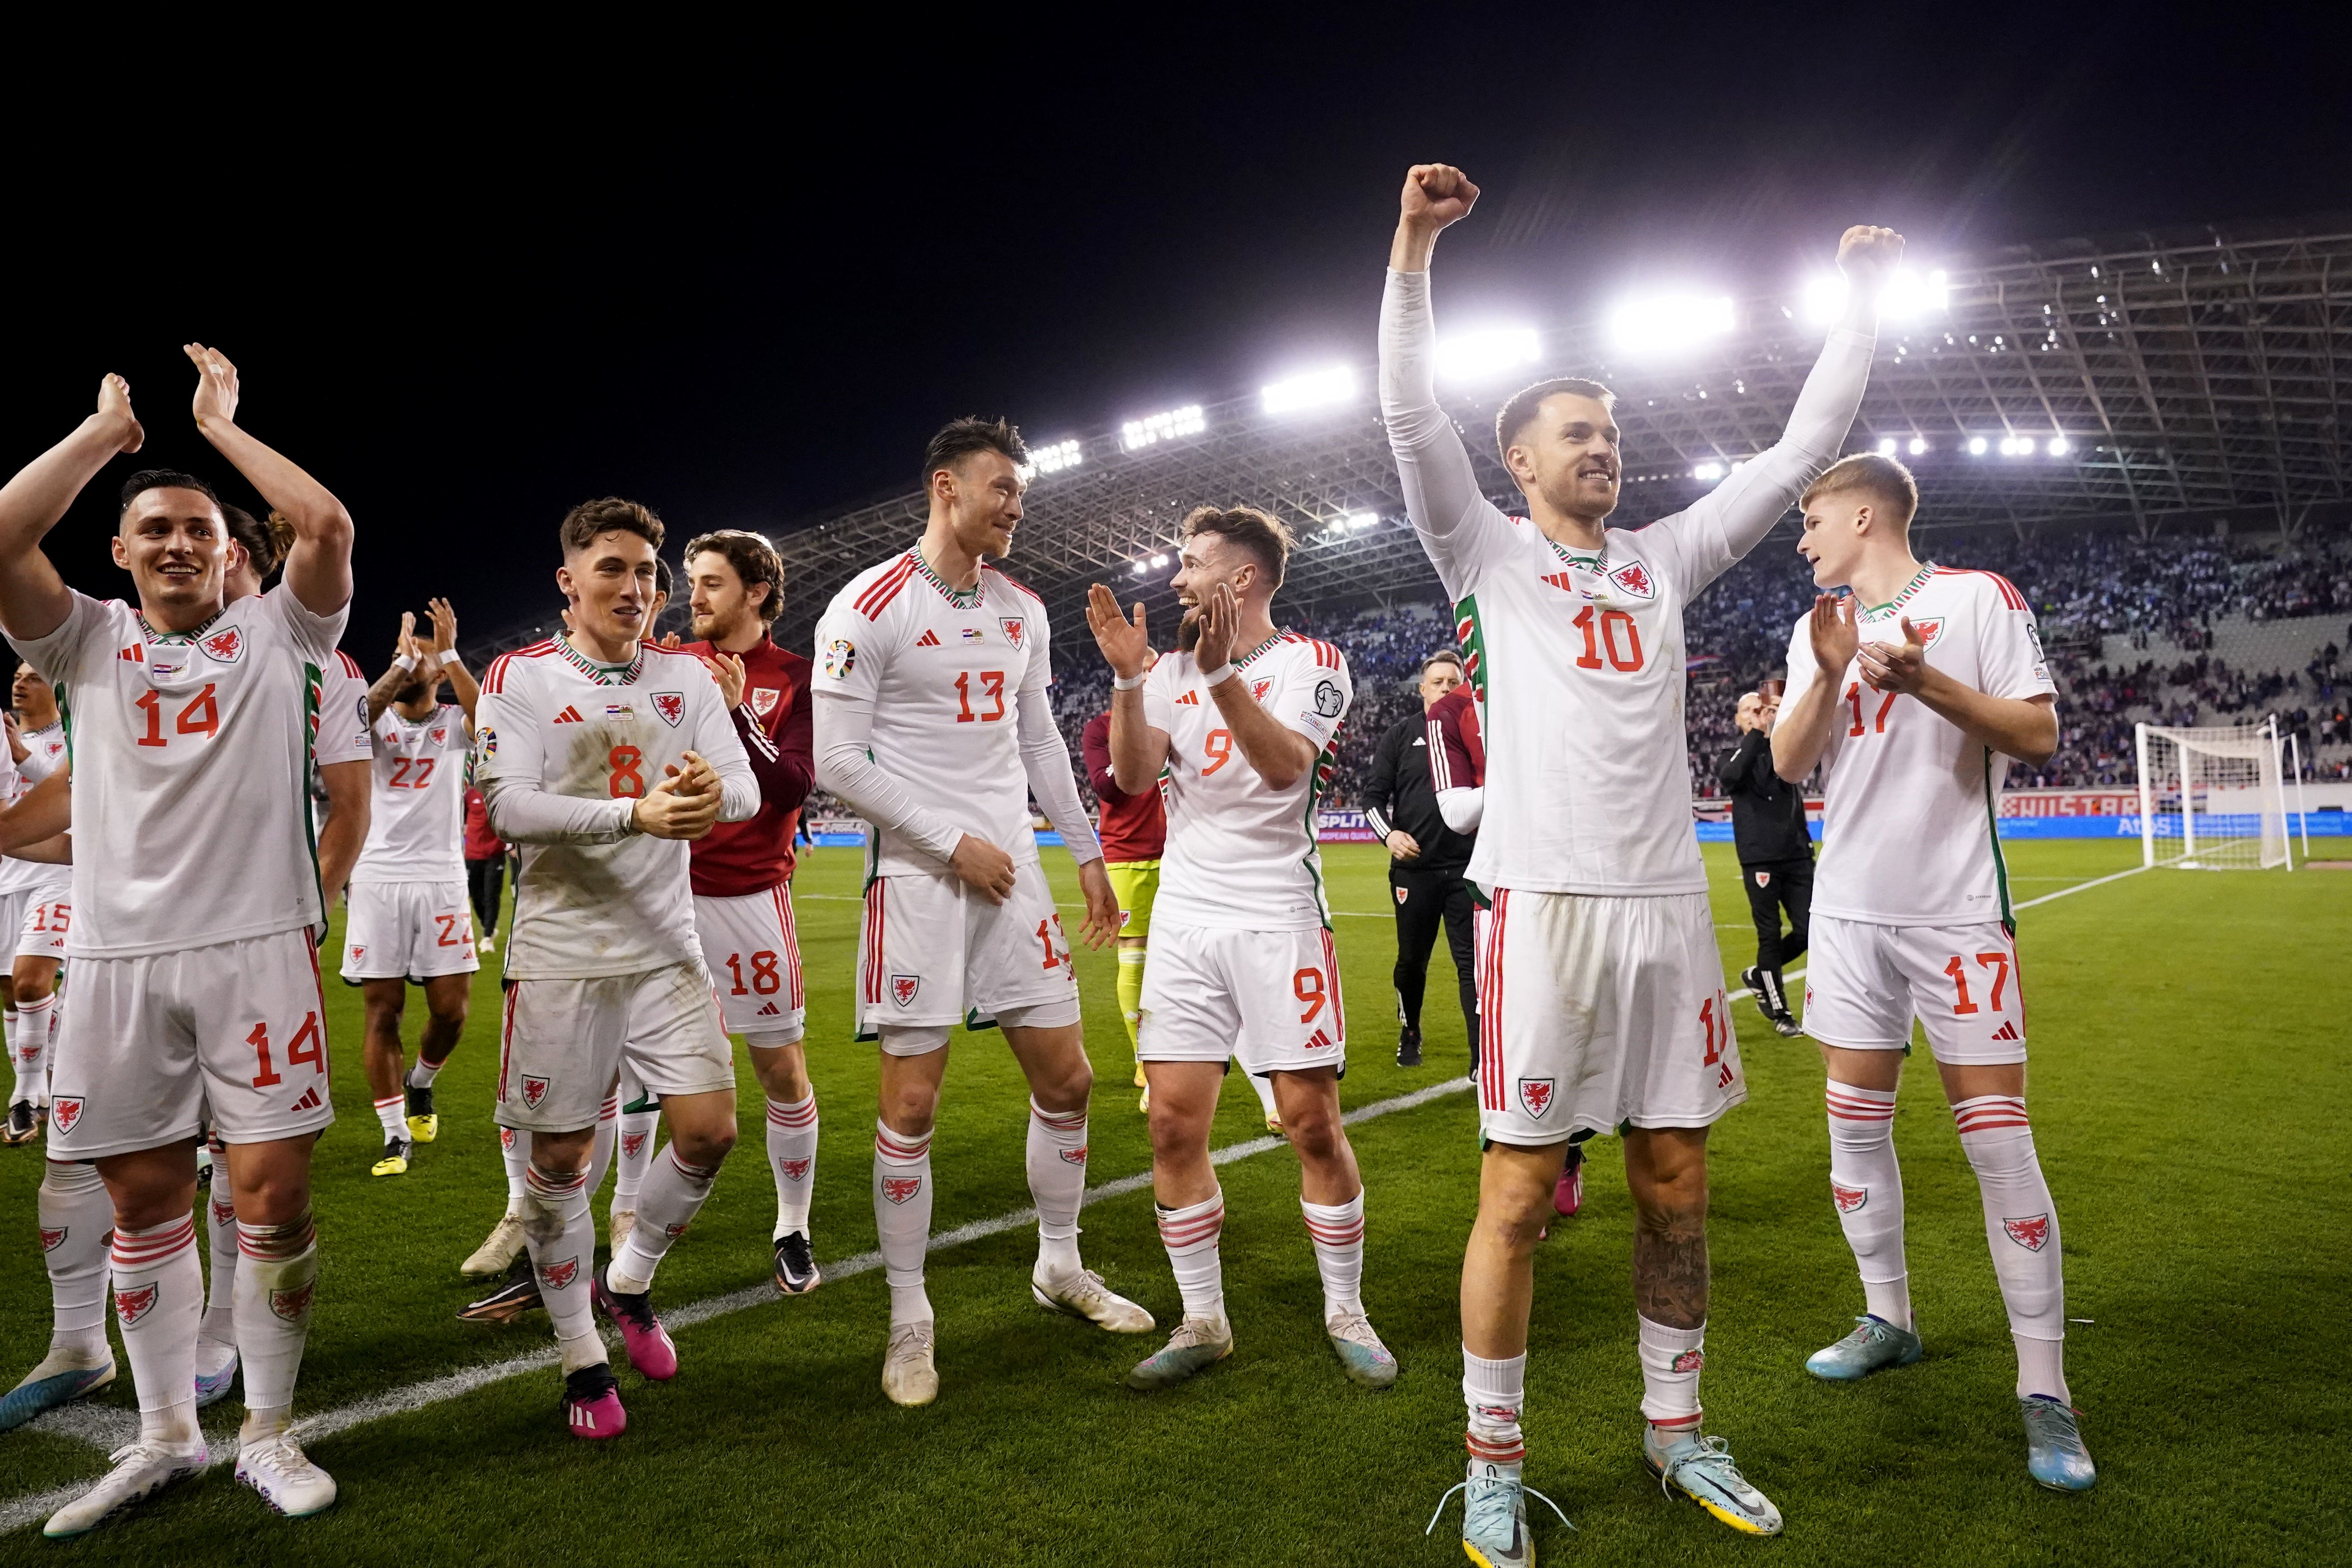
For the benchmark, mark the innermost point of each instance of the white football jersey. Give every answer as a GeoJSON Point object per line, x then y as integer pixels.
{"type": "Point", "coordinates": [945, 670]}
{"type": "Point", "coordinates": [1908, 826]}
{"type": "Point", "coordinates": [553, 721]}
{"type": "Point", "coordinates": [44, 750]}
{"type": "Point", "coordinates": [192, 759]}
{"type": "Point", "coordinates": [1241, 853]}
{"type": "Point", "coordinates": [344, 734]}
{"type": "Point", "coordinates": [416, 816]}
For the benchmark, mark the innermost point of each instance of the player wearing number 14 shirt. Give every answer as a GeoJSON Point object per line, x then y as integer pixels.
{"type": "Point", "coordinates": [1602, 998]}
{"type": "Point", "coordinates": [1912, 692]}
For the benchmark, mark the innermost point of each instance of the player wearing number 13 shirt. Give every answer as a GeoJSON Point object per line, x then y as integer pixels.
{"type": "Point", "coordinates": [1602, 994]}
{"type": "Point", "coordinates": [1912, 692]}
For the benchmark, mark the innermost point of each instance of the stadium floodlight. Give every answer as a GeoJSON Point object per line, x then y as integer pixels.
{"type": "Point", "coordinates": [1886, 446]}
{"type": "Point", "coordinates": [1976, 446]}
{"type": "Point", "coordinates": [1908, 295]}
{"type": "Point", "coordinates": [1919, 445]}
{"type": "Point", "coordinates": [1709, 471]}
{"type": "Point", "coordinates": [2059, 446]}
{"type": "Point", "coordinates": [1477, 356]}
{"type": "Point", "coordinates": [1153, 428]}
{"type": "Point", "coordinates": [1665, 322]}
{"type": "Point", "coordinates": [1159, 561]}
{"type": "Point", "coordinates": [1054, 457]}
{"type": "Point", "coordinates": [1362, 518]}
{"type": "Point", "coordinates": [1316, 389]}
{"type": "Point", "coordinates": [2017, 447]}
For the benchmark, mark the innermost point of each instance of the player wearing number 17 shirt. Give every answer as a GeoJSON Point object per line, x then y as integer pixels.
{"type": "Point", "coordinates": [1912, 691]}
{"type": "Point", "coordinates": [195, 889]}
{"type": "Point", "coordinates": [1242, 722]}
{"type": "Point", "coordinates": [932, 722]}
{"type": "Point", "coordinates": [1603, 1001]}
{"type": "Point", "coordinates": [603, 756]}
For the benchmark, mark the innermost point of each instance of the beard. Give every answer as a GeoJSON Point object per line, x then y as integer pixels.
{"type": "Point", "coordinates": [1187, 633]}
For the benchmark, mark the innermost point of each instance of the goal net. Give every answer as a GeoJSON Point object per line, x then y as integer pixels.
{"type": "Point", "coordinates": [2212, 799]}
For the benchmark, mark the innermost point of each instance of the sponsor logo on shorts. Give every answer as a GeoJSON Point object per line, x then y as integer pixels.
{"type": "Point", "coordinates": [2031, 1233]}
{"type": "Point", "coordinates": [64, 1111]}
{"type": "Point", "coordinates": [1723, 1078]}
{"type": "Point", "coordinates": [1320, 1040]}
{"type": "Point", "coordinates": [898, 1189]}
{"type": "Point", "coordinates": [52, 1239]}
{"type": "Point", "coordinates": [1535, 1095]}
{"type": "Point", "coordinates": [670, 706]}
{"type": "Point", "coordinates": [226, 645]}
{"type": "Point", "coordinates": [2007, 1032]}
{"type": "Point", "coordinates": [135, 1303]}
{"type": "Point", "coordinates": [309, 1101]}
{"type": "Point", "coordinates": [534, 1090]}
{"type": "Point", "coordinates": [1690, 1361]}
{"type": "Point", "coordinates": [769, 1010]}
{"type": "Point", "coordinates": [1849, 1198]}
{"type": "Point", "coordinates": [795, 1169]}
{"type": "Point", "coordinates": [1076, 1156]}
{"type": "Point", "coordinates": [556, 1276]}
{"type": "Point", "coordinates": [903, 988]}
{"type": "Point", "coordinates": [764, 699]}
{"type": "Point", "coordinates": [292, 1306]}
{"type": "Point", "coordinates": [630, 1143]}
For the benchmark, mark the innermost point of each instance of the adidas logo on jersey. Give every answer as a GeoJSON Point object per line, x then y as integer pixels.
{"type": "Point", "coordinates": [570, 716]}
{"type": "Point", "coordinates": [1190, 699]}
{"type": "Point", "coordinates": [309, 1101]}
{"type": "Point", "coordinates": [136, 653]}
{"type": "Point", "coordinates": [929, 639]}
{"type": "Point", "coordinates": [2007, 1032]}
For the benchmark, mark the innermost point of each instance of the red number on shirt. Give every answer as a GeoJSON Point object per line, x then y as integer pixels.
{"type": "Point", "coordinates": [628, 777]}
{"type": "Point", "coordinates": [1607, 623]}
{"type": "Point", "coordinates": [991, 684]}
{"type": "Point", "coordinates": [1998, 964]}
{"type": "Point", "coordinates": [410, 773]}
{"type": "Point", "coordinates": [1307, 987]}
{"type": "Point", "coordinates": [1958, 971]}
{"type": "Point", "coordinates": [399, 774]}
{"type": "Point", "coordinates": [1220, 747]}
{"type": "Point", "coordinates": [1854, 698]}
{"type": "Point", "coordinates": [200, 717]}
{"type": "Point", "coordinates": [1050, 924]}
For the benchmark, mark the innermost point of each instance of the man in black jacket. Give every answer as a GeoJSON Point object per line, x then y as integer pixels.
{"type": "Point", "coordinates": [1426, 860]}
{"type": "Point", "coordinates": [1776, 853]}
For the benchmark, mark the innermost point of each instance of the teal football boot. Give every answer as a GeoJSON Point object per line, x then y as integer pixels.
{"type": "Point", "coordinates": [1874, 1345]}
{"type": "Point", "coordinates": [1495, 1516]}
{"type": "Point", "coordinates": [2055, 1455]}
{"type": "Point", "coordinates": [1701, 1469]}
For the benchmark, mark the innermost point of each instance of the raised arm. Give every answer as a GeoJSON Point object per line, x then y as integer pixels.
{"type": "Point", "coordinates": [1138, 749]}
{"type": "Point", "coordinates": [445, 653]}
{"type": "Point", "coordinates": [318, 563]}
{"type": "Point", "coordinates": [34, 600]}
{"type": "Point", "coordinates": [405, 657]}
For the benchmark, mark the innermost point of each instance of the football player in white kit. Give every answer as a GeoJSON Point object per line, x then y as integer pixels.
{"type": "Point", "coordinates": [36, 903]}
{"type": "Point", "coordinates": [602, 755]}
{"type": "Point", "coordinates": [411, 919]}
{"type": "Point", "coordinates": [195, 892]}
{"type": "Point", "coordinates": [1913, 690]}
{"type": "Point", "coordinates": [1601, 1000]}
{"type": "Point", "coordinates": [932, 722]}
{"type": "Point", "coordinates": [1241, 724]}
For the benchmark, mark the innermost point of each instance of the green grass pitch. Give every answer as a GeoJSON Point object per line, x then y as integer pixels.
{"type": "Point", "coordinates": [2189, 1062]}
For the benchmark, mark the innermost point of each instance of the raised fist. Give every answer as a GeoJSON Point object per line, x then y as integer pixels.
{"type": "Point", "coordinates": [1868, 255]}
{"type": "Point", "coordinates": [1436, 195]}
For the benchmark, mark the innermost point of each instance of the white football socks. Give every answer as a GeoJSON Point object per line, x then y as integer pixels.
{"type": "Point", "coordinates": [2022, 1229]}
{"type": "Point", "coordinates": [902, 1214]}
{"type": "Point", "coordinates": [1192, 1235]}
{"type": "Point", "coordinates": [514, 1148]}
{"type": "Point", "coordinates": [791, 1161]}
{"type": "Point", "coordinates": [632, 1156]}
{"type": "Point", "coordinates": [216, 1335]}
{"type": "Point", "coordinates": [673, 1194]}
{"type": "Point", "coordinates": [421, 1075]}
{"type": "Point", "coordinates": [8, 1032]}
{"type": "Point", "coordinates": [1867, 1185]}
{"type": "Point", "coordinates": [77, 1226]}
{"type": "Point", "coordinates": [1338, 1230]}
{"type": "Point", "coordinates": [562, 1240]}
{"type": "Point", "coordinates": [1496, 1390]}
{"type": "Point", "coordinates": [1058, 1185]}
{"type": "Point", "coordinates": [608, 1135]}
{"type": "Point", "coordinates": [36, 1030]}
{"type": "Point", "coordinates": [159, 1294]}
{"type": "Point", "coordinates": [389, 1114]}
{"type": "Point", "coordinates": [1671, 1359]}
{"type": "Point", "coordinates": [275, 1283]}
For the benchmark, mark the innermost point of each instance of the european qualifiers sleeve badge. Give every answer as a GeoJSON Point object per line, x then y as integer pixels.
{"type": "Point", "coordinates": [840, 658]}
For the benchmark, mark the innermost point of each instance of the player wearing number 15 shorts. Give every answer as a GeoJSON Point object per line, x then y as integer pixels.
{"type": "Point", "coordinates": [1243, 722]}
{"type": "Point", "coordinates": [195, 982]}
{"type": "Point", "coordinates": [932, 722]}
{"type": "Point", "coordinates": [1913, 691]}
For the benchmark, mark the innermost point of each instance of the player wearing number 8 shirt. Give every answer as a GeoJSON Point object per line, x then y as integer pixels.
{"type": "Point", "coordinates": [932, 722]}
{"type": "Point", "coordinates": [1601, 1000]}
{"type": "Point", "coordinates": [1913, 691]}
{"type": "Point", "coordinates": [195, 982]}
{"type": "Point", "coordinates": [1242, 722]}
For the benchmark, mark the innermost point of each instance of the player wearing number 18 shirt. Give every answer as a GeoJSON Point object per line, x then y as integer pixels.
{"type": "Point", "coordinates": [1913, 691]}
{"type": "Point", "coordinates": [1602, 998]}
{"type": "Point", "coordinates": [1242, 722]}
{"type": "Point", "coordinates": [932, 722]}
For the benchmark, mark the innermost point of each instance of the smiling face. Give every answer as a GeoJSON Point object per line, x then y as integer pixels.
{"type": "Point", "coordinates": [1567, 456]}
{"type": "Point", "coordinates": [982, 496]}
{"type": "Point", "coordinates": [1207, 559]}
{"type": "Point", "coordinates": [722, 605]}
{"type": "Point", "coordinates": [35, 700]}
{"type": "Point", "coordinates": [175, 545]}
{"type": "Point", "coordinates": [609, 582]}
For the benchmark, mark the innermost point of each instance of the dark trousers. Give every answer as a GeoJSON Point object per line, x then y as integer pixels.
{"type": "Point", "coordinates": [486, 881]}
{"type": "Point", "coordinates": [1773, 886]}
{"type": "Point", "coordinates": [1424, 900]}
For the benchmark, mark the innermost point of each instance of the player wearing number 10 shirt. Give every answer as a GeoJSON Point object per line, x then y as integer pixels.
{"type": "Point", "coordinates": [1912, 692]}
{"type": "Point", "coordinates": [1603, 1002]}
{"type": "Point", "coordinates": [931, 721]}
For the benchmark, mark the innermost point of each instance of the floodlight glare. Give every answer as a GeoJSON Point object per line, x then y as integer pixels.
{"type": "Point", "coordinates": [1906, 296]}
{"type": "Point", "coordinates": [1055, 458]}
{"type": "Point", "coordinates": [1315, 390]}
{"type": "Point", "coordinates": [1976, 446]}
{"type": "Point", "coordinates": [1477, 356]}
{"type": "Point", "coordinates": [1919, 445]}
{"type": "Point", "coordinates": [1886, 446]}
{"type": "Point", "coordinates": [1708, 471]}
{"type": "Point", "coordinates": [1159, 561]}
{"type": "Point", "coordinates": [2060, 445]}
{"type": "Point", "coordinates": [1137, 434]}
{"type": "Point", "coordinates": [1665, 323]}
{"type": "Point", "coordinates": [1362, 519]}
{"type": "Point", "coordinates": [2017, 446]}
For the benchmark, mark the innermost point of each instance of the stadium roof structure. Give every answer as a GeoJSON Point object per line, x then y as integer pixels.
{"type": "Point", "coordinates": [2154, 380]}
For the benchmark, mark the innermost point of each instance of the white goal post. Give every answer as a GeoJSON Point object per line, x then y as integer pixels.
{"type": "Point", "coordinates": [2213, 799]}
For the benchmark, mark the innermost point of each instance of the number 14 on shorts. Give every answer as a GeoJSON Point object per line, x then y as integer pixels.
{"type": "Point", "coordinates": [306, 1047]}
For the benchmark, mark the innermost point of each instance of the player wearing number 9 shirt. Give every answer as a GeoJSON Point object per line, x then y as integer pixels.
{"type": "Point", "coordinates": [1913, 691]}
{"type": "Point", "coordinates": [1242, 722]}
{"type": "Point", "coordinates": [603, 756]}
{"type": "Point", "coordinates": [1603, 1001]}
{"type": "Point", "coordinates": [932, 722]}
{"type": "Point", "coordinates": [196, 980]}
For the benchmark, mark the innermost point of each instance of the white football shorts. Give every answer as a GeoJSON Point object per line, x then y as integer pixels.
{"type": "Point", "coordinates": [408, 930]}
{"type": "Point", "coordinates": [562, 1044]}
{"type": "Point", "coordinates": [148, 1043]}
{"type": "Point", "coordinates": [1864, 984]}
{"type": "Point", "coordinates": [1596, 1013]}
{"type": "Point", "coordinates": [754, 958]}
{"type": "Point", "coordinates": [932, 953]}
{"type": "Point", "coordinates": [13, 904]}
{"type": "Point", "coordinates": [1268, 999]}
{"type": "Point", "coordinates": [48, 915]}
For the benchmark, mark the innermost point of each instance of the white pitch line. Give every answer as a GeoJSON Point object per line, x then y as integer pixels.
{"type": "Point", "coordinates": [75, 1421]}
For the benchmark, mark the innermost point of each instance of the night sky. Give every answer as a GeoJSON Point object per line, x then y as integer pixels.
{"type": "Point", "coordinates": [743, 278]}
